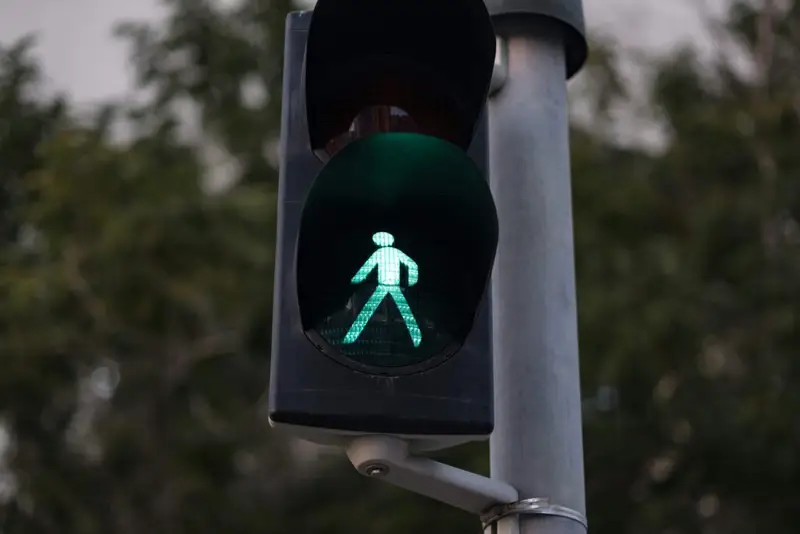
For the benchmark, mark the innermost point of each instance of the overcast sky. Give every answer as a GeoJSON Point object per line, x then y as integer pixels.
{"type": "Point", "coordinates": [81, 57]}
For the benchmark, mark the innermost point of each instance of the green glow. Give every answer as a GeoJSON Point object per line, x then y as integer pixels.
{"type": "Point", "coordinates": [394, 182]}
{"type": "Point", "coordinates": [387, 260]}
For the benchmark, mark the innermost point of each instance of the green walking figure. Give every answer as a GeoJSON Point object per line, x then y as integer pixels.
{"type": "Point", "coordinates": [387, 259]}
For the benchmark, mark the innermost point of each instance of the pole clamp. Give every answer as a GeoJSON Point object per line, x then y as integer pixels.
{"type": "Point", "coordinates": [535, 506]}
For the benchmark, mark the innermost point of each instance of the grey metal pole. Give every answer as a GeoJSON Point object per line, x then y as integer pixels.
{"type": "Point", "coordinates": [537, 442]}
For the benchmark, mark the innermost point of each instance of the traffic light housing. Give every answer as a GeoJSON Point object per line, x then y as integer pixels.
{"type": "Point", "coordinates": [387, 229]}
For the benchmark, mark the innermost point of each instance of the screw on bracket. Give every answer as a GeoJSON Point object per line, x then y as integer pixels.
{"type": "Point", "coordinates": [376, 470]}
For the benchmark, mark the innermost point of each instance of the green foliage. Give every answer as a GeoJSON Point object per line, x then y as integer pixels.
{"type": "Point", "coordinates": [134, 272]}
{"type": "Point", "coordinates": [695, 322]}
{"type": "Point", "coordinates": [24, 122]}
{"type": "Point", "coordinates": [227, 62]}
{"type": "Point", "coordinates": [135, 305]}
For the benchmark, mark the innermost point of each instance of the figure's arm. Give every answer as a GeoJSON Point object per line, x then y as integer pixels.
{"type": "Point", "coordinates": [413, 270]}
{"type": "Point", "coordinates": [365, 269]}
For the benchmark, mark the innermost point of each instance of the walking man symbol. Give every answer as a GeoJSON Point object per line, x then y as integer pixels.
{"type": "Point", "coordinates": [387, 259]}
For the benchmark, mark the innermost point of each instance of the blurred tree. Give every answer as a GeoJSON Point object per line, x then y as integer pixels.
{"type": "Point", "coordinates": [134, 358]}
{"type": "Point", "coordinates": [220, 61]}
{"type": "Point", "coordinates": [225, 61]}
{"type": "Point", "coordinates": [25, 120]}
{"type": "Point", "coordinates": [135, 299]}
{"type": "Point", "coordinates": [689, 294]}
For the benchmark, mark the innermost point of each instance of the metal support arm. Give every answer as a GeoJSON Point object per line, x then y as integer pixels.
{"type": "Point", "coordinates": [387, 458]}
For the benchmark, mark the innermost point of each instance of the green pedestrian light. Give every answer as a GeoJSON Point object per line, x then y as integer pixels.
{"type": "Point", "coordinates": [387, 261]}
{"type": "Point", "coordinates": [387, 229]}
{"type": "Point", "coordinates": [412, 304]}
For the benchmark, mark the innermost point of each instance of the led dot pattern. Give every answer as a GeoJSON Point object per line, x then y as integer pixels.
{"type": "Point", "coordinates": [384, 323]}
{"type": "Point", "coordinates": [387, 260]}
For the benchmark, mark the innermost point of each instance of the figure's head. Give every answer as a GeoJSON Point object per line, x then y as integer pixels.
{"type": "Point", "coordinates": [383, 239]}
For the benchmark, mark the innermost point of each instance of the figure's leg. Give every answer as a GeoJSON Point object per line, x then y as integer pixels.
{"type": "Point", "coordinates": [365, 315]}
{"type": "Point", "coordinates": [408, 316]}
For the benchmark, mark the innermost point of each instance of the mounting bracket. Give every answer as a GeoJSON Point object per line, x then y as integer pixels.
{"type": "Point", "coordinates": [388, 458]}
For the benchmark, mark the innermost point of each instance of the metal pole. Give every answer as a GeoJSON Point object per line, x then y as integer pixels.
{"type": "Point", "coordinates": [537, 442]}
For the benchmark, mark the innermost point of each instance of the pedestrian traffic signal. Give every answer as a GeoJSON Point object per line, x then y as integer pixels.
{"type": "Point", "coordinates": [410, 303]}
{"type": "Point", "coordinates": [387, 227]}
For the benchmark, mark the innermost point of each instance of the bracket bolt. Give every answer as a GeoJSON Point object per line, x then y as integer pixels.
{"type": "Point", "coordinates": [376, 470]}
